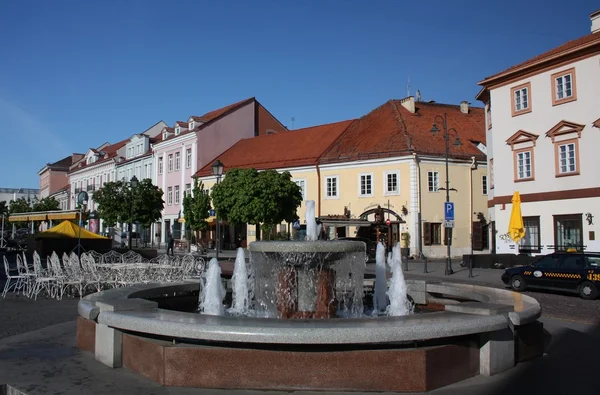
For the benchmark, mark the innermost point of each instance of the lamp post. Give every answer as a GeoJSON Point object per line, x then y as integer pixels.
{"type": "Point", "coordinates": [434, 130]}
{"type": "Point", "coordinates": [82, 199]}
{"type": "Point", "coordinates": [217, 169]}
{"type": "Point", "coordinates": [133, 183]}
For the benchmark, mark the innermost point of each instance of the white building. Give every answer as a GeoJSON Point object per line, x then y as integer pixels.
{"type": "Point", "coordinates": [62, 197]}
{"type": "Point", "coordinates": [542, 140]}
{"type": "Point", "coordinates": [138, 157]}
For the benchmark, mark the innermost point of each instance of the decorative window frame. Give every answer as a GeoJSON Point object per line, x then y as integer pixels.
{"type": "Point", "coordinates": [371, 178]}
{"type": "Point", "coordinates": [439, 184]}
{"type": "Point", "coordinates": [188, 155]}
{"type": "Point", "coordinates": [303, 180]}
{"type": "Point", "coordinates": [337, 187]}
{"type": "Point", "coordinates": [527, 110]}
{"type": "Point", "coordinates": [385, 183]}
{"type": "Point", "coordinates": [573, 97]}
{"type": "Point", "coordinates": [169, 196]}
{"type": "Point", "coordinates": [170, 163]}
{"type": "Point", "coordinates": [177, 161]}
{"type": "Point", "coordinates": [519, 142]}
{"type": "Point", "coordinates": [566, 132]}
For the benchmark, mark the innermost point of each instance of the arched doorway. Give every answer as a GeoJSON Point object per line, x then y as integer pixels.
{"type": "Point", "coordinates": [379, 229]}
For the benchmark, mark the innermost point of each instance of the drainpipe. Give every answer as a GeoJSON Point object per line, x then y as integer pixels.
{"type": "Point", "coordinates": [419, 225]}
{"type": "Point", "coordinates": [318, 190]}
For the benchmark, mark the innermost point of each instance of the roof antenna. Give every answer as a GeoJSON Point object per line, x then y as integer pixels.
{"type": "Point", "coordinates": [293, 120]}
{"type": "Point", "coordinates": [408, 87]}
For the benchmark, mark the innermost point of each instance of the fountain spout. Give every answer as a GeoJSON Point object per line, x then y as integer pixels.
{"type": "Point", "coordinates": [213, 293]}
{"type": "Point", "coordinates": [399, 303]}
{"type": "Point", "coordinates": [241, 302]}
{"type": "Point", "coordinates": [312, 230]}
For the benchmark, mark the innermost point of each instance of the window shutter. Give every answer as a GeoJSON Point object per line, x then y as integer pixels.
{"type": "Point", "coordinates": [447, 235]}
{"type": "Point", "coordinates": [477, 236]}
{"type": "Point", "coordinates": [427, 233]}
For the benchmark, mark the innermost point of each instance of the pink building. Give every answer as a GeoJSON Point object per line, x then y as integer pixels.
{"type": "Point", "coordinates": [190, 145]}
{"type": "Point", "coordinates": [53, 176]}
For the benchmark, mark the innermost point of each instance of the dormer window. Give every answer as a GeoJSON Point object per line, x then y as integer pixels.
{"type": "Point", "coordinates": [192, 125]}
{"type": "Point", "coordinates": [177, 130]}
{"type": "Point", "coordinates": [165, 135]}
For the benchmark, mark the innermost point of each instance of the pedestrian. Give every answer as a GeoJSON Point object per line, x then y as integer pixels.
{"type": "Point", "coordinates": [171, 243]}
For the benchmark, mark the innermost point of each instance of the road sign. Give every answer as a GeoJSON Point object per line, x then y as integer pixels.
{"type": "Point", "coordinates": [449, 224]}
{"type": "Point", "coordinates": [449, 211]}
{"type": "Point", "coordinates": [296, 225]}
{"type": "Point", "coordinates": [211, 212]}
{"type": "Point", "coordinates": [388, 222]}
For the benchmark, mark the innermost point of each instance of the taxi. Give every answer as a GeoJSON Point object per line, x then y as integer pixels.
{"type": "Point", "coordinates": [576, 272]}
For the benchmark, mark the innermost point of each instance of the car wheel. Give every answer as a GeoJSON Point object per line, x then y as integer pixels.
{"type": "Point", "coordinates": [587, 290]}
{"type": "Point", "coordinates": [517, 283]}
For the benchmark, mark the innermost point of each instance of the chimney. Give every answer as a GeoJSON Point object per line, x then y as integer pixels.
{"type": "Point", "coordinates": [595, 18]}
{"type": "Point", "coordinates": [409, 103]}
{"type": "Point", "coordinates": [464, 107]}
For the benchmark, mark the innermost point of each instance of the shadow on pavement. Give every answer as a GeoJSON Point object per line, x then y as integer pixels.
{"type": "Point", "coordinates": [570, 366]}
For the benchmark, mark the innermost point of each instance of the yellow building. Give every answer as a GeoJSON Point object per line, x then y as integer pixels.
{"type": "Point", "coordinates": [386, 163]}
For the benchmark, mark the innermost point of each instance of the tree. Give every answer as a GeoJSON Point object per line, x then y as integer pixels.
{"type": "Point", "coordinates": [196, 206]}
{"type": "Point", "coordinates": [116, 200]}
{"type": "Point", "coordinates": [20, 205]}
{"type": "Point", "coordinates": [249, 196]}
{"type": "Point", "coordinates": [45, 204]}
{"type": "Point", "coordinates": [3, 208]}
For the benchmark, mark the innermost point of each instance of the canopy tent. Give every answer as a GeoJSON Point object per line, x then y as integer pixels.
{"type": "Point", "coordinates": [68, 229]}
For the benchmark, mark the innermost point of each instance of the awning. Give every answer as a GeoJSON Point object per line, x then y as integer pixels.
{"type": "Point", "coordinates": [18, 218]}
{"type": "Point", "coordinates": [181, 220]}
{"type": "Point", "coordinates": [54, 216]}
{"type": "Point", "coordinates": [37, 217]}
{"type": "Point", "coordinates": [343, 222]}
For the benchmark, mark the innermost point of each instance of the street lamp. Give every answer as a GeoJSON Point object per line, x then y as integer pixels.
{"type": "Point", "coordinates": [133, 183]}
{"type": "Point", "coordinates": [434, 130]}
{"type": "Point", "coordinates": [82, 199]}
{"type": "Point", "coordinates": [217, 169]}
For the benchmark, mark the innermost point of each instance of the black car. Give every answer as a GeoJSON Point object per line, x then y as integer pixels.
{"type": "Point", "coordinates": [574, 272]}
{"type": "Point", "coordinates": [371, 245]}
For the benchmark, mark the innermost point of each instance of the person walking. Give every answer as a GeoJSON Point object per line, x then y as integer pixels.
{"type": "Point", "coordinates": [171, 243]}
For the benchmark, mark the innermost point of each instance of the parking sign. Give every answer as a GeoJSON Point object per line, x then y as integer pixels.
{"type": "Point", "coordinates": [449, 211]}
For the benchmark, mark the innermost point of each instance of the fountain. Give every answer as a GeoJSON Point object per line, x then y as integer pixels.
{"type": "Point", "coordinates": [298, 321]}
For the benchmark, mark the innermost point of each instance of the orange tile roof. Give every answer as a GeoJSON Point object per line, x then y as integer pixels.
{"type": "Point", "coordinates": [597, 123]}
{"type": "Point", "coordinates": [299, 147]}
{"type": "Point", "coordinates": [109, 151]}
{"type": "Point", "coordinates": [209, 117]}
{"type": "Point", "coordinates": [392, 130]}
{"type": "Point", "coordinates": [568, 47]}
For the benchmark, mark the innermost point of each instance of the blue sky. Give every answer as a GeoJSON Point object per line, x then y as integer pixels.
{"type": "Point", "coordinates": [75, 74]}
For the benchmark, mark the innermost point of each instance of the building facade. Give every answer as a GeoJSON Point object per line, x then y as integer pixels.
{"type": "Point", "coordinates": [188, 146]}
{"type": "Point", "coordinates": [9, 194]}
{"type": "Point", "coordinates": [386, 160]}
{"type": "Point", "coordinates": [54, 176]}
{"type": "Point", "coordinates": [542, 135]}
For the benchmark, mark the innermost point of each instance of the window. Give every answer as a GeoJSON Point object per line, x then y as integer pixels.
{"type": "Point", "coordinates": [491, 173]}
{"type": "Point", "coordinates": [432, 233]}
{"type": "Point", "coordinates": [192, 125]}
{"type": "Point", "coordinates": [568, 232]}
{"type": "Point", "coordinates": [433, 181]}
{"type": "Point", "coordinates": [547, 262]}
{"type": "Point", "coordinates": [523, 164]}
{"type": "Point", "coordinates": [563, 87]}
{"type": "Point", "coordinates": [484, 185]}
{"type": "Point", "coordinates": [331, 187]}
{"type": "Point", "coordinates": [567, 157]}
{"type": "Point", "coordinates": [176, 194]}
{"type": "Point", "coordinates": [170, 163]}
{"type": "Point", "coordinates": [160, 165]}
{"type": "Point", "coordinates": [177, 130]}
{"type": "Point", "coordinates": [391, 186]}
{"type": "Point", "coordinates": [177, 161]}
{"type": "Point", "coordinates": [302, 184]}
{"type": "Point", "coordinates": [148, 171]}
{"type": "Point", "coordinates": [170, 196]}
{"type": "Point", "coordinates": [188, 158]}
{"type": "Point", "coordinates": [521, 96]}
{"type": "Point", "coordinates": [188, 189]}
{"type": "Point", "coordinates": [365, 185]}
{"type": "Point", "coordinates": [531, 241]}
{"type": "Point", "coordinates": [165, 135]}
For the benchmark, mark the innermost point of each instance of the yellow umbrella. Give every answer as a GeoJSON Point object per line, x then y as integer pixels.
{"type": "Point", "coordinates": [516, 229]}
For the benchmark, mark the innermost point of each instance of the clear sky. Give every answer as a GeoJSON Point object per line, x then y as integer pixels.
{"type": "Point", "coordinates": [75, 74]}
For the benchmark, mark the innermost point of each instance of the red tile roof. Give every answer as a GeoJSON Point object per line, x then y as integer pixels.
{"type": "Point", "coordinates": [181, 123]}
{"type": "Point", "coordinates": [207, 118]}
{"type": "Point", "coordinates": [299, 147]}
{"type": "Point", "coordinates": [109, 151]}
{"type": "Point", "coordinates": [597, 123]}
{"type": "Point", "coordinates": [392, 130]}
{"type": "Point", "coordinates": [569, 47]}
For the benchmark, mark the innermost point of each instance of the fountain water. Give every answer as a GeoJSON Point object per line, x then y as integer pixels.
{"type": "Point", "coordinates": [241, 298]}
{"type": "Point", "coordinates": [312, 230]}
{"type": "Point", "coordinates": [399, 303]}
{"type": "Point", "coordinates": [380, 298]}
{"type": "Point", "coordinates": [211, 301]}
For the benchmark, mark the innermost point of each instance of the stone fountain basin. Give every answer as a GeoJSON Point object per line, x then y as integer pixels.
{"type": "Point", "coordinates": [488, 310]}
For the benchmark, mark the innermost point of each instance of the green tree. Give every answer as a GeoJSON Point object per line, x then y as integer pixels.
{"type": "Point", "coordinates": [45, 204]}
{"type": "Point", "coordinates": [3, 208]}
{"type": "Point", "coordinates": [196, 206]}
{"type": "Point", "coordinates": [21, 205]}
{"type": "Point", "coordinates": [116, 200]}
{"type": "Point", "coordinates": [113, 202]}
{"type": "Point", "coordinates": [249, 196]}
